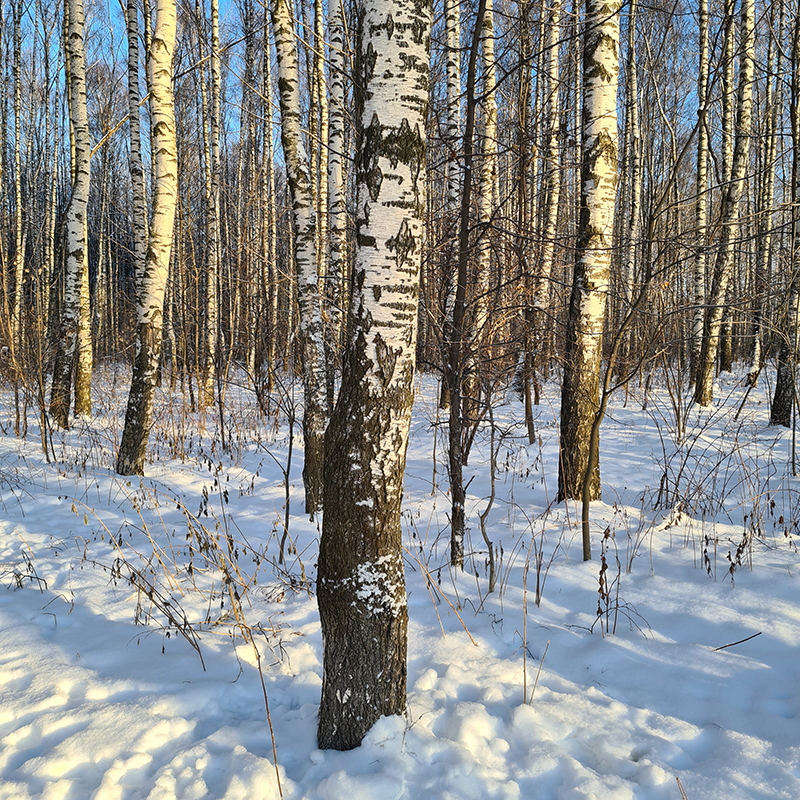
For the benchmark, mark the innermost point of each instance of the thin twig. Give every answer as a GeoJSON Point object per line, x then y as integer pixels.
{"type": "Point", "coordinates": [680, 786]}
{"type": "Point", "coordinates": [741, 641]}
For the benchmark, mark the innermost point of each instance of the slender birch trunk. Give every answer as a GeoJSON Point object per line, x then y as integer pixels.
{"type": "Point", "coordinates": [773, 106]}
{"type": "Point", "coordinates": [213, 166]}
{"type": "Point", "coordinates": [361, 585]}
{"type": "Point", "coordinates": [75, 219]}
{"type": "Point", "coordinates": [150, 307]}
{"type": "Point", "coordinates": [552, 166]}
{"type": "Point", "coordinates": [269, 242]}
{"type": "Point", "coordinates": [701, 209]}
{"type": "Point", "coordinates": [139, 222]}
{"type": "Point", "coordinates": [785, 395]}
{"type": "Point", "coordinates": [456, 345]}
{"type": "Point", "coordinates": [298, 169]}
{"type": "Point", "coordinates": [336, 185]}
{"type": "Point", "coordinates": [19, 238]}
{"type": "Point", "coordinates": [453, 176]}
{"type": "Point", "coordinates": [633, 174]}
{"type": "Point", "coordinates": [486, 192]}
{"type": "Point", "coordinates": [579, 394]}
{"type": "Point", "coordinates": [723, 266]}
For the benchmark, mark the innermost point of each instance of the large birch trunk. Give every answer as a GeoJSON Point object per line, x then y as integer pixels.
{"type": "Point", "coordinates": [75, 219]}
{"type": "Point", "coordinates": [150, 311]}
{"type": "Point", "coordinates": [579, 394]}
{"type": "Point", "coordinates": [361, 585]}
{"type": "Point", "coordinates": [303, 221]}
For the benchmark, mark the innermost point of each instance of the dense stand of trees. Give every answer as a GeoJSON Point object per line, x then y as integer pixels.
{"type": "Point", "coordinates": [529, 189]}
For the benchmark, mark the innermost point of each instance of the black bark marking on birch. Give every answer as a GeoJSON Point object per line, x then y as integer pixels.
{"type": "Point", "coordinates": [387, 360]}
{"type": "Point", "coordinates": [389, 26]}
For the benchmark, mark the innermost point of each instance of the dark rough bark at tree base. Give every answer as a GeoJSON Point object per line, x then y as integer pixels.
{"type": "Point", "coordinates": [139, 413]}
{"type": "Point", "coordinates": [61, 389]}
{"type": "Point", "coordinates": [781, 408]}
{"type": "Point", "coordinates": [361, 589]}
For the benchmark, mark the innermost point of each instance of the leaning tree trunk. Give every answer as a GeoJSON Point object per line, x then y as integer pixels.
{"type": "Point", "coordinates": [299, 180]}
{"type": "Point", "coordinates": [75, 220]}
{"type": "Point", "coordinates": [723, 266]}
{"type": "Point", "coordinates": [361, 585]}
{"type": "Point", "coordinates": [579, 393]}
{"type": "Point", "coordinates": [150, 311]}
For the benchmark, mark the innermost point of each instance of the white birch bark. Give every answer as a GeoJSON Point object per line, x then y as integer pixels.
{"type": "Point", "coordinates": [579, 396]}
{"type": "Point", "coordinates": [361, 585]}
{"type": "Point", "coordinates": [298, 169]}
{"type": "Point", "coordinates": [336, 186]}
{"type": "Point", "coordinates": [75, 218]}
{"type": "Point", "coordinates": [552, 178]}
{"type": "Point", "coordinates": [139, 222]}
{"type": "Point", "coordinates": [19, 238]}
{"type": "Point", "coordinates": [453, 171]}
{"type": "Point", "coordinates": [213, 166]}
{"type": "Point", "coordinates": [773, 105]}
{"type": "Point", "coordinates": [487, 182]}
{"type": "Point", "coordinates": [701, 209]}
{"type": "Point", "coordinates": [150, 310]}
{"type": "Point", "coordinates": [634, 174]}
{"type": "Point", "coordinates": [723, 266]}
{"type": "Point", "coordinates": [269, 234]}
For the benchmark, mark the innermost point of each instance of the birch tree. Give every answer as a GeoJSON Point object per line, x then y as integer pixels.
{"type": "Point", "coordinates": [298, 171]}
{"type": "Point", "coordinates": [150, 295]}
{"type": "Point", "coordinates": [701, 209]}
{"type": "Point", "coordinates": [579, 394]}
{"type": "Point", "coordinates": [361, 585]}
{"type": "Point", "coordinates": [75, 218]}
{"type": "Point", "coordinates": [723, 265]}
{"type": "Point", "coordinates": [337, 260]}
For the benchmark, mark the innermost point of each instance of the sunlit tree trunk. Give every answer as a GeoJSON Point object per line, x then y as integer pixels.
{"type": "Point", "coordinates": [361, 585]}
{"type": "Point", "coordinates": [730, 211]}
{"type": "Point", "coordinates": [139, 221]}
{"type": "Point", "coordinates": [336, 186]}
{"type": "Point", "coordinates": [75, 218]}
{"type": "Point", "coordinates": [773, 105]}
{"type": "Point", "coordinates": [701, 209]}
{"type": "Point", "coordinates": [298, 169]}
{"type": "Point", "coordinates": [150, 306]}
{"type": "Point", "coordinates": [211, 277]}
{"type": "Point", "coordinates": [453, 173]}
{"type": "Point", "coordinates": [579, 394]}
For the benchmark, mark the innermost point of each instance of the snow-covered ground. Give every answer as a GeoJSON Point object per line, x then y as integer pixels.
{"type": "Point", "coordinates": [109, 586]}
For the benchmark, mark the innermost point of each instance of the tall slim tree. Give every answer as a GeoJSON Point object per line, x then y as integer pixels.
{"type": "Point", "coordinates": [150, 296]}
{"type": "Point", "coordinates": [75, 221]}
{"type": "Point", "coordinates": [724, 263]}
{"type": "Point", "coordinates": [579, 394]}
{"type": "Point", "coordinates": [361, 585]}
{"type": "Point", "coordinates": [298, 171]}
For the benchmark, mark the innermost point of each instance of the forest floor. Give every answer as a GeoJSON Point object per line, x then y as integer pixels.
{"type": "Point", "coordinates": [678, 673]}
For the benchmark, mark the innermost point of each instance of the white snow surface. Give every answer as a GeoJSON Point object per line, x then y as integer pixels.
{"type": "Point", "coordinates": [96, 701]}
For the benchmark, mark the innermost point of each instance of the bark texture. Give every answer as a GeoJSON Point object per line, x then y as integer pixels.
{"type": "Point", "coordinates": [723, 266]}
{"type": "Point", "coordinates": [361, 585]}
{"type": "Point", "coordinates": [150, 311]}
{"type": "Point", "coordinates": [298, 169]}
{"type": "Point", "coordinates": [579, 394]}
{"type": "Point", "coordinates": [75, 220]}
